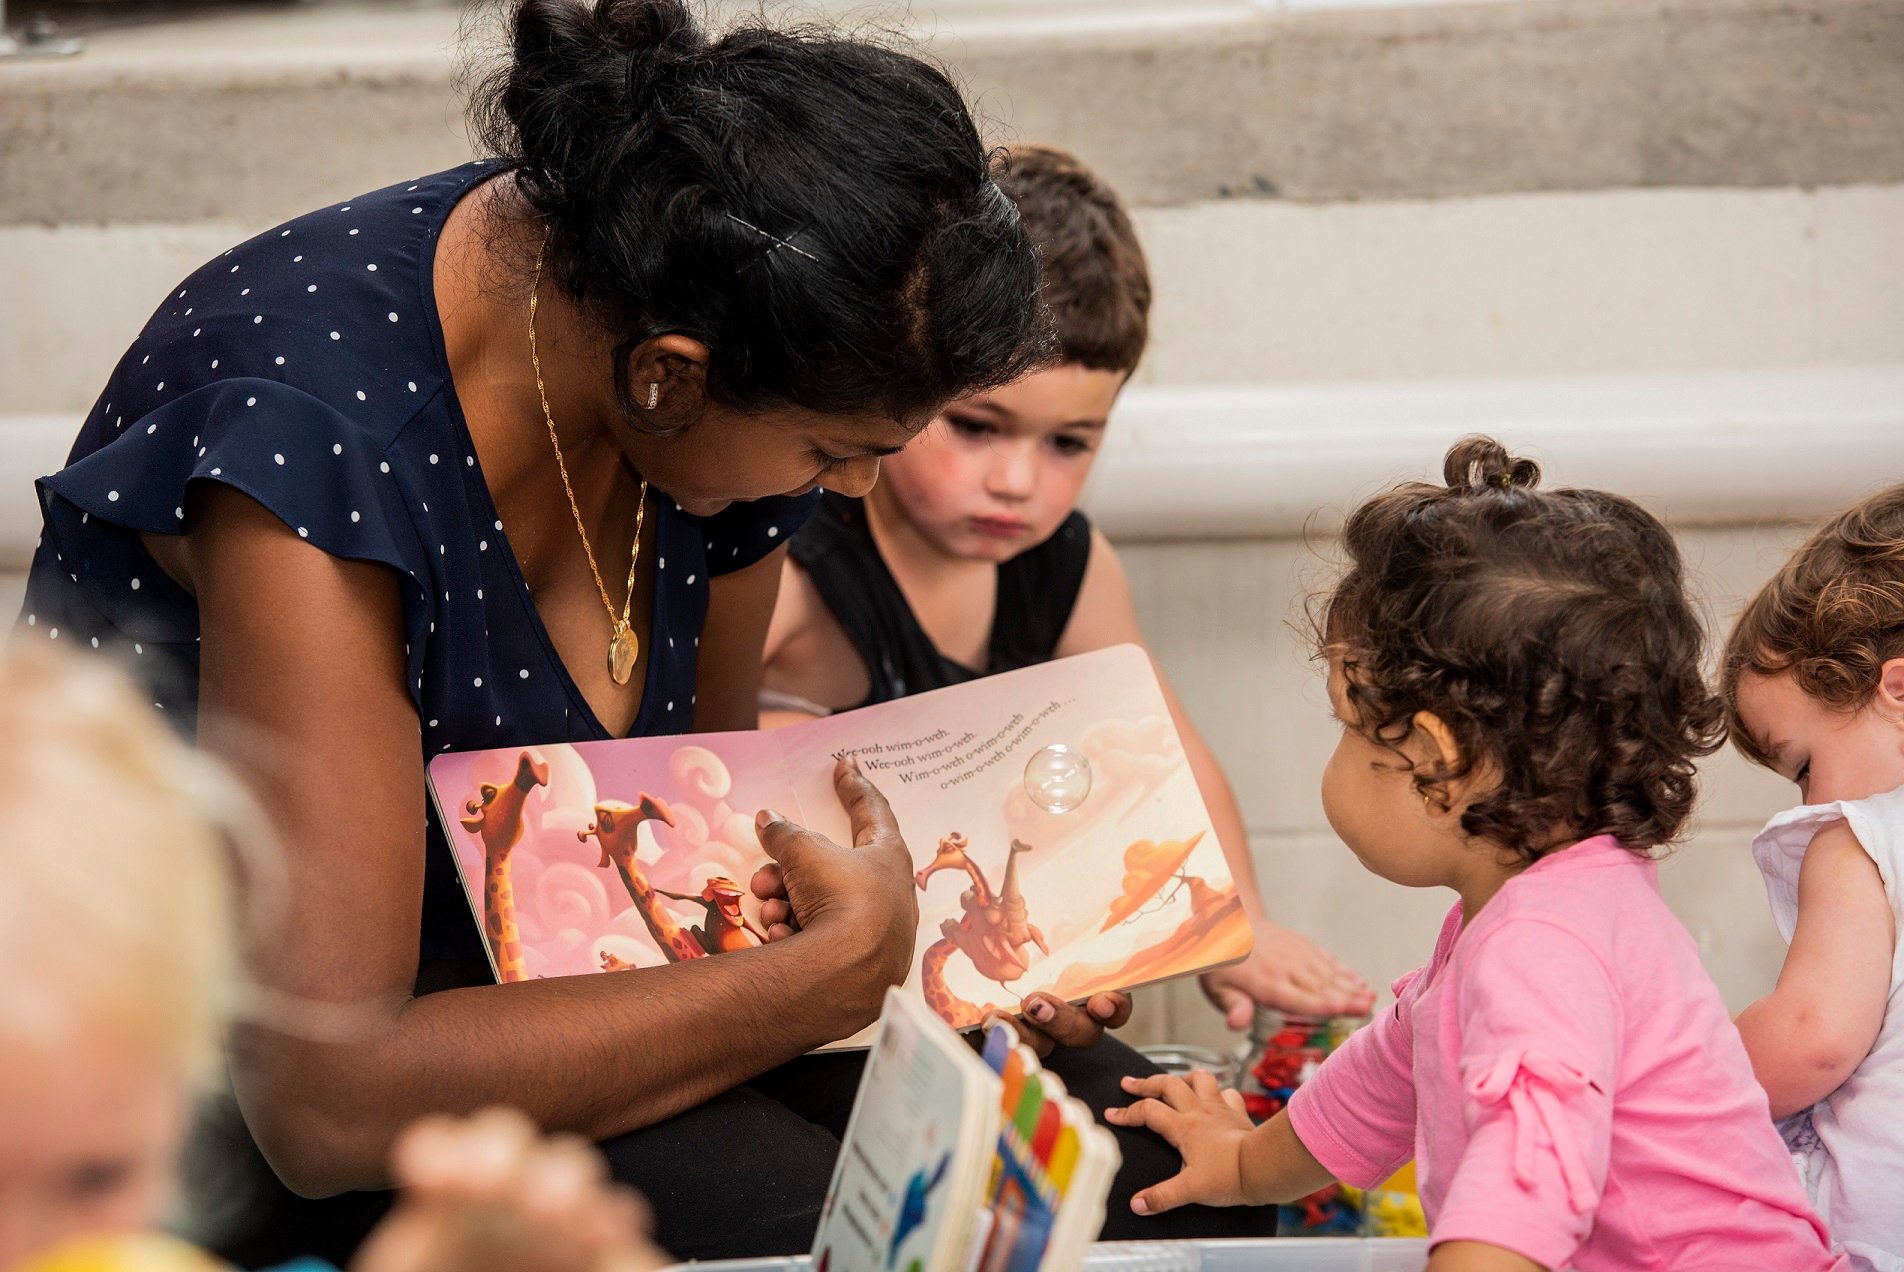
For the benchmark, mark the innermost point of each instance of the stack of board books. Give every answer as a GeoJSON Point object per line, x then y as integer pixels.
{"type": "Point", "coordinates": [962, 1160]}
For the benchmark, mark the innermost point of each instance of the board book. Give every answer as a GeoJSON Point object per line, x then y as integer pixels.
{"type": "Point", "coordinates": [960, 1161]}
{"type": "Point", "coordinates": [1058, 834]}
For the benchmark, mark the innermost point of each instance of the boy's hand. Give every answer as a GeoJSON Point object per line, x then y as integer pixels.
{"type": "Point", "coordinates": [1202, 1121]}
{"type": "Point", "coordinates": [1289, 972]}
{"type": "Point", "coordinates": [488, 1192]}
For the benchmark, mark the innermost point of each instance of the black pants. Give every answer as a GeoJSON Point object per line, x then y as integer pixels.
{"type": "Point", "coordinates": [744, 1174]}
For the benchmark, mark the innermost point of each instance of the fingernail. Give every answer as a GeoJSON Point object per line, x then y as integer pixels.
{"type": "Point", "coordinates": [1138, 1204]}
{"type": "Point", "coordinates": [1040, 1011]}
{"type": "Point", "coordinates": [765, 818]}
{"type": "Point", "coordinates": [1098, 1010]}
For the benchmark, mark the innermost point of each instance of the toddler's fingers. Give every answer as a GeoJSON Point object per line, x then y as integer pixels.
{"type": "Point", "coordinates": [1203, 1085]}
{"type": "Point", "coordinates": [1169, 1088]}
{"type": "Point", "coordinates": [489, 1146]}
{"type": "Point", "coordinates": [1234, 1099]}
{"type": "Point", "coordinates": [1170, 1194]}
{"type": "Point", "coordinates": [1153, 1114]}
{"type": "Point", "coordinates": [425, 1152]}
{"type": "Point", "coordinates": [559, 1177]}
{"type": "Point", "coordinates": [1151, 1084]}
{"type": "Point", "coordinates": [450, 1157]}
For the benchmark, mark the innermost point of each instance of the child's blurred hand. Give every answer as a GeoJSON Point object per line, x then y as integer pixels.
{"type": "Point", "coordinates": [1202, 1121]}
{"type": "Point", "coordinates": [489, 1192]}
{"type": "Point", "coordinates": [1288, 971]}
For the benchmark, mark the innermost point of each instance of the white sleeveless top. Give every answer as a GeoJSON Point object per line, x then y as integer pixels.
{"type": "Point", "coordinates": [1850, 1145]}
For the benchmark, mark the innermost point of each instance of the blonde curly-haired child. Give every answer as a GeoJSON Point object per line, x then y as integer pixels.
{"type": "Point", "coordinates": [118, 969]}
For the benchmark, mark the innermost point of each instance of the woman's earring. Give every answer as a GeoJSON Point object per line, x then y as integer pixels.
{"type": "Point", "coordinates": [654, 395]}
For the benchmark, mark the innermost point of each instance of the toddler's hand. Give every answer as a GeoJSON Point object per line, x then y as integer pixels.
{"type": "Point", "coordinates": [1202, 1121]}
{"type": "Point", "coordinates": [488, 1192]}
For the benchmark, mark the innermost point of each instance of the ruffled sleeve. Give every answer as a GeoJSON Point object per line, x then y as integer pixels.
{"type": "Point", "coordinates": [1540, 1027]}
{"type": "Point", "coordinates": [318, 471]}
{"type": "Point", "coordinates": [743, 533]}
{"type": "Point", "coordinates": [1779, 849]}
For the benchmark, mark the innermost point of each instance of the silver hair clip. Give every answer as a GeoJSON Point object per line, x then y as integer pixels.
{"type": "Point", "coordinates": [777, 241]}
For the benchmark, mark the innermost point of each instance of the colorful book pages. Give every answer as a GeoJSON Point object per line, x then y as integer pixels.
{"type": "Point", "coordinates": [915, 1162]}
{"type": "Point", "coordinates": [1053, 1168]}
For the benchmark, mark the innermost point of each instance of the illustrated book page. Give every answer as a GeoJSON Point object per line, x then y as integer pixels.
{"type": "Point", "coordinates": [1057, 832]}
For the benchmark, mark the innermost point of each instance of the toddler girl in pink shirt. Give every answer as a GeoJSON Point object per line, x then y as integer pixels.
{"type": "Point", "coordinates": [1517, 674]}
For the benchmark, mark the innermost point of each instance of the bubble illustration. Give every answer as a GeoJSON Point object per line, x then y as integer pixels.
{"type": "Point", "coordinates": [1058, 778]}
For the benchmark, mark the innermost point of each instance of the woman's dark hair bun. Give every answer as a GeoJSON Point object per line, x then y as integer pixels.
{"type": "Point", "coordinates": [817, 209]}
{"type": "Point", "coordinates": [576, 70]}
{"type": "Point", "coordinates": [1478, 463]}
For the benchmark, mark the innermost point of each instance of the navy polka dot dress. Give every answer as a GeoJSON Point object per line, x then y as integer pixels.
{"type": "Point", "coordinates": [306, 368]}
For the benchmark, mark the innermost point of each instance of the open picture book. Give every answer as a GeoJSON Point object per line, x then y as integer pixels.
{"type": "Point", "coordinates": [1059, 838]}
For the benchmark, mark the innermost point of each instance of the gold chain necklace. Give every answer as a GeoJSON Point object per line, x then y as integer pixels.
{"type": "Point", "coordinates": [623, 646]}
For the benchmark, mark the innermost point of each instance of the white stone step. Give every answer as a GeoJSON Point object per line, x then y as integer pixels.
{"type": "Point", "coordinates": [1275, 461]}
{"type": "Point", "coordinates": [254, 116]}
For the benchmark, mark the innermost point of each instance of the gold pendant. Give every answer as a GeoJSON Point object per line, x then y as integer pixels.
{"type": "Point", "coordinates": [622, 651]}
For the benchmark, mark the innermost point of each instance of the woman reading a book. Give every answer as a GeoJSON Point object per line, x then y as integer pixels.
{"type": "Point", "coordinates": [509, 455]}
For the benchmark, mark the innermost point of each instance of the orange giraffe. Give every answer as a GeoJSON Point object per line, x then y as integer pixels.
{"type": "Point", "coordinates": [615, 826]}
{"type": "Point", "coordinates": [992, 932]}
{"type": "Point", "coordinates": [952, 1009]}
{"type": "Point", "coordinates": [496, 815]}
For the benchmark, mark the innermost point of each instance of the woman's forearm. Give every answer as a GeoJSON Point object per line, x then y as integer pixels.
{"type": "Point", "coordinates": [596, 1055]}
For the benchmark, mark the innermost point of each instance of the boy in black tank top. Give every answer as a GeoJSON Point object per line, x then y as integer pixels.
{"type": "Point", "coordinates": [969, 557]}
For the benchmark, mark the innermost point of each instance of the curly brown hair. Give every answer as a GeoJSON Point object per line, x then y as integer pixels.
{"type": "Point", "coordinates": [1549, 629]}
{"type": "Point", "coordinates": [1832, 616]}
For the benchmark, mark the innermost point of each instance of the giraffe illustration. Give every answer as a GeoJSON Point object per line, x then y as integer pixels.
{"type": "Point", "coordinates": [952, 1009]}
{"type": "Point", "coordinates": [495, 814]}
{"type": "Point", "coordinates": [615, 827]}
{"type": "Point", "coordinates": [992, 931]}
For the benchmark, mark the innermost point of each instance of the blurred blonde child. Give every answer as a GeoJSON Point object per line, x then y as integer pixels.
{"type": "Point", "coordinates": [1814, 684]}
{"type": "Point", "coordinates": [970, 556]}
{"type": "Point", "coordinates": [117, 918]}
{"type": "Point", "coordinates": [1517, 676]}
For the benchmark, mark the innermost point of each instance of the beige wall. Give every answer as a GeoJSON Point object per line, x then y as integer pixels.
{"type": "Point", "coordinates": [1219, 616]}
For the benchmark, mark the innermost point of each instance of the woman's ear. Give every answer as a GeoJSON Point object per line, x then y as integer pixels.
{"type": "Point", "coordinates": [667, 375]}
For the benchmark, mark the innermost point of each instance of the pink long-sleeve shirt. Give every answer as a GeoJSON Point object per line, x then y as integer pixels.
{"type": "Point", "coordinates": [1570, 1087]}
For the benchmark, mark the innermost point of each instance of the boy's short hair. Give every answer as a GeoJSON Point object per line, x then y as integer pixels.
{"type": "Point", "coordinates": [1094, 277]}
